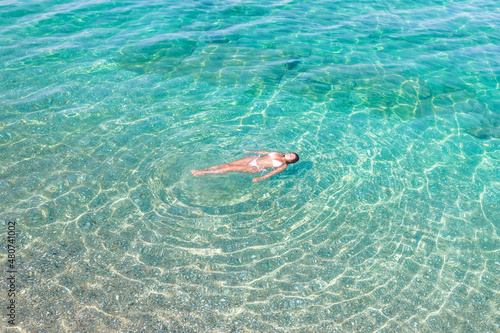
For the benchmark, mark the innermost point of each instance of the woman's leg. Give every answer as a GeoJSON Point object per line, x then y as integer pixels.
{"type": "Point", "coordinates": [217, 169]}
{"type": "Point", "coordinates": [240, 165]}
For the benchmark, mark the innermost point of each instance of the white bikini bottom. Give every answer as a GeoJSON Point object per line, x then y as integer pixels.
{"type": "Point", "coordinates": [276, 164]}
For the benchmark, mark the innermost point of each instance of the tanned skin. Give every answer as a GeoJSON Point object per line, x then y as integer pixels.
{"type": "Point", "coordinates": [253, 164]}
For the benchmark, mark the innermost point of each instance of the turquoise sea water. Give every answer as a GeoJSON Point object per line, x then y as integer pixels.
{"type": "Point", "coordinates": [390, 222]}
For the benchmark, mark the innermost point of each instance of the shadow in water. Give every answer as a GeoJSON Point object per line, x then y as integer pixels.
{"type": "Point", "coordinates": [484, 133]}
{"type": "Point", "coordinates": [300, 167]}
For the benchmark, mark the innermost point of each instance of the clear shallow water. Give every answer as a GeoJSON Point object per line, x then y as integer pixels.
{"type": "Point", "coordinates": [390, 221]}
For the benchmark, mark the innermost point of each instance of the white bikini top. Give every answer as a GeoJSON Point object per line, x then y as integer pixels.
{"type": "Point", "coordinates": [276, 163]}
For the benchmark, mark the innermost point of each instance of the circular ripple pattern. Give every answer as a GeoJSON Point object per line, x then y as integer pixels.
{"type": "Point", "coordinates": [367, 226]}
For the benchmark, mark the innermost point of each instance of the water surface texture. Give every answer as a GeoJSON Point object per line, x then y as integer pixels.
{"type": "Point", "coordinates": [390, 222]}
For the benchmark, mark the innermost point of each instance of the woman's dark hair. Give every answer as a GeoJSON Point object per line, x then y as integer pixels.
{"type": "Point", "coordinates": [296, 158]}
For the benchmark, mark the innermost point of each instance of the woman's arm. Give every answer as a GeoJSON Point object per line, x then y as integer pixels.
{"type": "Point", "coordinates": [271, 173]}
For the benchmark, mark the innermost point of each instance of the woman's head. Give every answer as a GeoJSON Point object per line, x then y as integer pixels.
{"type": "Point", "coordinates": [291, 158]}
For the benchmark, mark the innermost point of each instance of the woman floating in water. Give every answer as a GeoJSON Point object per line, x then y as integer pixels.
{"type": "Point", "coordinates": [254, 164]}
